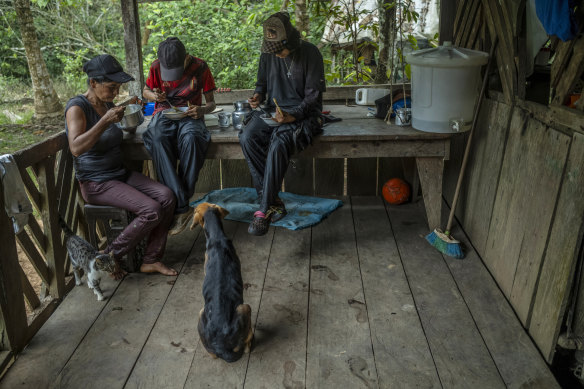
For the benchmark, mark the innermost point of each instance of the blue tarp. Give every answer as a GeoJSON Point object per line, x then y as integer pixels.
{"type": "Point", "coordinates": [303, 211]}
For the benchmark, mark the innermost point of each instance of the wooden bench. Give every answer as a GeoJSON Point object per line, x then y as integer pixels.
{"type": "Point", "coordinates": [356, 136]}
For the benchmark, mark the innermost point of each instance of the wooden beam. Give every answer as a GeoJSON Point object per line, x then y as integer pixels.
{"type": "Point", "coordinates": [55, 253]}
{"type": "Point", "coordinates": [133, 45]}
{"type": "Point", "coordinates": [447, 16]}
{"type": "Point", "coordinates": [574, 69]}
{"type": "Point", "coordinates": [12, 311]}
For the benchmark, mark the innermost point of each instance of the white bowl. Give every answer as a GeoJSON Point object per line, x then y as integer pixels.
{"type": "Point", "coordinates": [269, 121]}
{"type": "Point", "coordinates": [175, 114]}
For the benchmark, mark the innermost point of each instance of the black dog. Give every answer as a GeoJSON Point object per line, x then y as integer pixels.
{"type": "Point", "coordinates": [225, 321]}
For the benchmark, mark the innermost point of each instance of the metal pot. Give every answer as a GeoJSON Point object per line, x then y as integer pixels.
{"type": "Point", "coordinates": [242, 110]}
{"type": "Point", "coordinates": [133, 117]}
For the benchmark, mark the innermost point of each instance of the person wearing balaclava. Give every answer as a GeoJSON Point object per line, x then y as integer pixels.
{"type": "Point", "coordinates": [181, 79]}
{"type": "Point", "coordinates": [291, 74]}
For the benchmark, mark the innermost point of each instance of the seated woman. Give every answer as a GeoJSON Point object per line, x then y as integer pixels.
{"type": "Point", "coordinates": [95, 142]}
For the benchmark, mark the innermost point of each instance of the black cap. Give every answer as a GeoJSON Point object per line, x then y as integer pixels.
{"type": "Point", "coordinates": [106, 66]}
{"type": "Point", "coordinates": [171, 54]}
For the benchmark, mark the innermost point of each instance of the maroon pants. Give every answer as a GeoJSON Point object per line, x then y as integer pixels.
{"type": "Point", "coordinates": [151, 202]}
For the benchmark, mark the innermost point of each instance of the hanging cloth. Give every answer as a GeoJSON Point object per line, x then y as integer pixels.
{"type": "Point", "coordinates": [16, 202]}
{"type": "Point", "coordinates": [557, 17]}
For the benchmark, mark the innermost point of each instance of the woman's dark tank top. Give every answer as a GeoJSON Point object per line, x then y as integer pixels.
{"type": "Point", "coordinates": [103, 162]}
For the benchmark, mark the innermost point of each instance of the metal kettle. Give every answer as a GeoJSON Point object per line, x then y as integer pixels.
{"type": "Point", "coordinates": [238, 116]}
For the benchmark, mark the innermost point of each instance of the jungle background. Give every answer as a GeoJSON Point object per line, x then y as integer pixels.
{"type": "Point", "coordinates": [44, 43]}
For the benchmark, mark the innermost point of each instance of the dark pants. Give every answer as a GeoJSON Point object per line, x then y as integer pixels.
{"type": "Point", "coordinates": [168, 141]}
{"type": "Point", "coordinates": [267, 151]}
{"type": "Point", "coordinates": [151, 202]}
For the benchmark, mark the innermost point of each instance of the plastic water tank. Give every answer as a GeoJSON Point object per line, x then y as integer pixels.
{"type": "Point", "coordinates": [445, 85]}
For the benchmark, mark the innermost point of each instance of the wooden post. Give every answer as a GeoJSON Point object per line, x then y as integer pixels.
{"type": "Point", "coordinates": [55, 253]}
{"type": "Point", "coordinates": [447, 15]}
{"type": "Point", "coordinates": [13, 323]}
{"type": "Point", "coordinates": [133, 45]}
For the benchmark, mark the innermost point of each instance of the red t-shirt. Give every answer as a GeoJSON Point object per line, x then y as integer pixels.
{"type": "Point", "coordinates": [197, 77]}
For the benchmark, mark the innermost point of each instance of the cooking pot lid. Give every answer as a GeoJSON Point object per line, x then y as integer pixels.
{"type": "Point", "coordinates": [447, 56]}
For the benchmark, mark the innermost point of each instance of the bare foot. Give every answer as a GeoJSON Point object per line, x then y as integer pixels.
{"type": "Point", "coordinates": [158, 267]}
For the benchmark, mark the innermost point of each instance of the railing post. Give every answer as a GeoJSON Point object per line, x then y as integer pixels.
{"type": "Point", "coordinates": [55, 253]}
{"type": "Point", "coordinates": [13, 324]}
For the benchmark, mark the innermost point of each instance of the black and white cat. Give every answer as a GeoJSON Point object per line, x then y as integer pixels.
{"type": "Point", "coordinates": [84, 256]}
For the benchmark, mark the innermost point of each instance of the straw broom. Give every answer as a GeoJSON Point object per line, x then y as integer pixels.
{"type": "Point", "coordinates": [443, 241]}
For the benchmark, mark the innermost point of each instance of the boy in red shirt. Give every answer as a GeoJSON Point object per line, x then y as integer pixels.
{"type": "Point", "coordinates": [181, 79]}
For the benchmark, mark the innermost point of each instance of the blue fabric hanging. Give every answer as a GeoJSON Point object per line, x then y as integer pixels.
{"type": "Point", "coordinates": [557, 17]}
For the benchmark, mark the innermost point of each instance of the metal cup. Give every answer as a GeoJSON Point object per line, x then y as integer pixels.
{"type": "Point", "coordinates": [403, 116]}
{"type": "Point", "coordinates": [223, 119]}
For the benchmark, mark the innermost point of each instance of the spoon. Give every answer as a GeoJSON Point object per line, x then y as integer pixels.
{"type": "Point", "coordinates": [278, 107]}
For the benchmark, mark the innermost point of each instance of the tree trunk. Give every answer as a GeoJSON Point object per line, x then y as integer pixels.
{"type": "Point", "coordinates": [386, 23]}
{"type": "Point", "coordinates": [301, 16]}
{"type": "Point", "coordinates": [46, 101]}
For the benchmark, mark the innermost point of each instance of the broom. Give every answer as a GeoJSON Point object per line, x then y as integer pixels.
{"type": "Point", "coordinates": [443, 241]}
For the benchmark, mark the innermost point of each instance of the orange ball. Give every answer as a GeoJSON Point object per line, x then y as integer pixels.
{"type": "Point", "coordinates": [396, 191]}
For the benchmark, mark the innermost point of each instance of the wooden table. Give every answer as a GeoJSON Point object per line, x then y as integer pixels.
{"type": "Point", "coordinates": [356, 136]}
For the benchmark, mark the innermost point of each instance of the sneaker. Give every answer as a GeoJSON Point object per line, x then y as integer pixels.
{"type": "Point", "coordinates": [180, 222]}
{"type": "Point", "coordinates": [260, 223]}
{"type": "Point", "coordinates": [278, 211]}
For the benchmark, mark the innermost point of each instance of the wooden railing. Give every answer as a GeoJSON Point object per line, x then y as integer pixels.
{"type": "Point", "coordinates": [47, 172]}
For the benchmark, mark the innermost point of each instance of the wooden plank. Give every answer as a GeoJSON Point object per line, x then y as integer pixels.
{"type": "Point", "coordinates": [562, 118]}
{"type": "Point", "coordinates": [459, 352]}
{"type": "Point", "coordinates": [329, 176]}
{"type": "Point", "coordinates": [299, 177]}
{"type": "Point", "coordinates": [55, 253]}
{"type": "Point", "coordinates": [474, 33]}
{"type": "Point", "coordinates": [339, 351]}
{"type": "Point", "coordinates": [6, 360]}
{"type": "Point", "coordinates": [283, 315]}
{"type": "Point", "coordinates": [31, 189]}
{"type": "Point", "coordinates": [516, 357]}
{"type": "Point", "coordinates": [470, 22]}
{"type": "Point", "coordinates": [66, 183]}
{"type": "Point", "coordinates": [447, 17]}
{"type": "Point", "coordinates": [519, 228]}
{"type": "Point", "coordinates": [362, 177]}
{"type": "Point", "coordinates": [253, 253]}
{"type": "Point", "coordinates": [484, 166]}
{"type": "Point", "coordinates": [430, 172]}
{"type": "Point", "coordinates": [33, 154]}
{"type": "Point", "coordinates": [460, 12]}
{"type": "Point", "coordinates": [235, 173]}
{"type": "Point", "coordinates": [116, 338]}
{"type": "Point", "coordinates": [167, 355]}
{"type": "Point", "coordinates": [37, 232]}
{"type": "Point", "coordinates": [12, 310]}
{"type": "Point", "coordinates": [402, 354]}
{"type": "Point", "coordinates": [504, 52]}
{"type": "Point", "coordinates": [58, 337]}
{"type": "Point", "coordinates": [567, 82]}
{"type": "Point", "coordinates": [209, 177]}
{"type": "Point", "coordinates": [36, 260]}
{"type": "Point", "coordinates": [29, 293]}
{"type": "Point", "coordinates": [561, 254]}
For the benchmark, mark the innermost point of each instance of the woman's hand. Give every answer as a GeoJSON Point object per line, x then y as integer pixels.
{"type": "Point", "coordinates": [114, 115]}
{"type": "Point", "coordinates": [283, 117]}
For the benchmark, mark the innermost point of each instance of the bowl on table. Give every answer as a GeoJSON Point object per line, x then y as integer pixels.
{"type": "Point", "coordinates": [176, 113]}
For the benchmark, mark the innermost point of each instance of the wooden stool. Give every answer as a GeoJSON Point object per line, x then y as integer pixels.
{"type": "Point", "coordinates": [114, 221]}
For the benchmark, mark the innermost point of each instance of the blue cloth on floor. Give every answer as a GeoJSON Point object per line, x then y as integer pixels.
{"type": "Point", "coordinates": [303, 211]}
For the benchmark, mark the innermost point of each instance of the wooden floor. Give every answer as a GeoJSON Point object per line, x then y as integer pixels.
{"type": "Point", "coordinates": [359, 301]}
